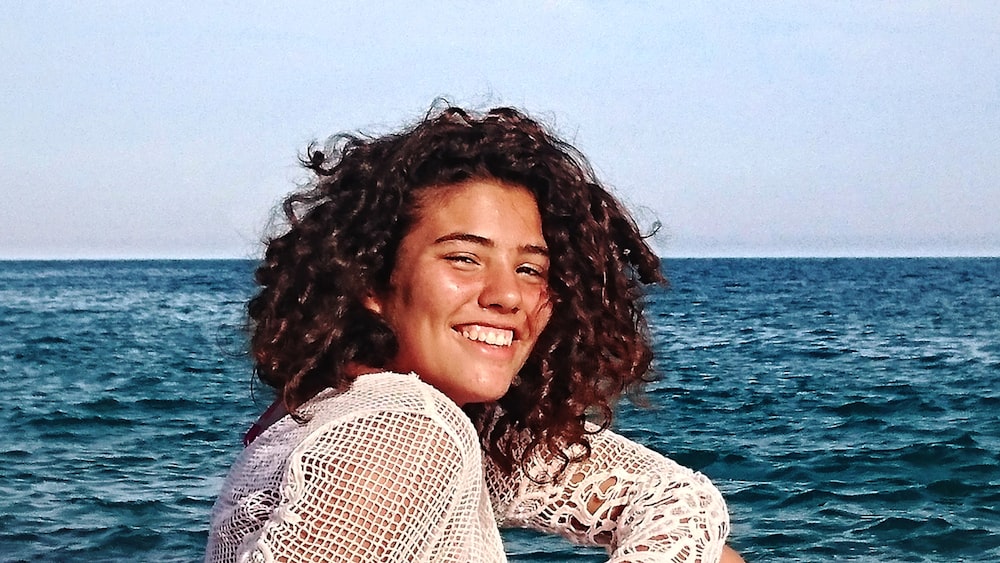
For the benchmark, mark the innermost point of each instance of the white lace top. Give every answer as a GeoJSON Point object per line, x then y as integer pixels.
{"type": "Point", "coordinates": [391, 470]}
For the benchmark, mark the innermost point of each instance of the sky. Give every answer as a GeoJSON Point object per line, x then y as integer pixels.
{"type": "Point", "coordinates": [172, 129]}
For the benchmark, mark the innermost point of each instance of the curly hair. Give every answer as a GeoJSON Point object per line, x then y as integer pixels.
{"type": "Point", "coordinates": [309, 323]}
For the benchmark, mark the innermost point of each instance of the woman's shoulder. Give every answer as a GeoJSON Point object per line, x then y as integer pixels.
{"type": "Point", "coordinates": [390, 398]}
{"type": "Point", "coordinates": [385, 446]}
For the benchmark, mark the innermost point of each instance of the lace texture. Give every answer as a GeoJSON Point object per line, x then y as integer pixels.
{"type": "Point", "coordinates": [640, 505]}
{"type": "Point", "coordinates": [391, 470]}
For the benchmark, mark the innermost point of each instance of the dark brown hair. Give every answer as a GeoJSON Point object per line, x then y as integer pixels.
{"type": "Point", "coordinates": [309, 322]}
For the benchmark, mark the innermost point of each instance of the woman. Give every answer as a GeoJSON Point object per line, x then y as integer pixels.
{"type": "Point", "coordinates": [447, 321]}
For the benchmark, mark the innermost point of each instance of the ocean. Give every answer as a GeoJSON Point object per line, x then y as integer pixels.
{"type": "Point", "coordinates": [849, 409]}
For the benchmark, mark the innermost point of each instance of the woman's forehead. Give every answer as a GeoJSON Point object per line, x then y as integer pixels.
{"type": "Point", "coordinates": [488, 208]}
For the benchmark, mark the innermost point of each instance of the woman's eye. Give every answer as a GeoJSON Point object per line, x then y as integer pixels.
{"type": "Point", "coordinates": [461, 259]}
{"type": "Point", "coordinates": [532, 271]}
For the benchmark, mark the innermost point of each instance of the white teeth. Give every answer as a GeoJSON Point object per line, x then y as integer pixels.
{"type": "Point", "coordinates": [493, 336]}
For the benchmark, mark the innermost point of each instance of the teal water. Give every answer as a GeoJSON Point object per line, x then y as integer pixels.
{"type": "Point", "coordinates": [849, 409]}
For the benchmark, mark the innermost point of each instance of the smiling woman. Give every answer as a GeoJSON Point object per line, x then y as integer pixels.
{"type": "Point", "coordinates": [468, 296]}
{"type": "Point", "coordinates": [447, 322]}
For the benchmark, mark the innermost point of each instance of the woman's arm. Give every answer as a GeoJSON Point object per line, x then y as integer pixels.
{"type": "Point", "coordinates": [637, 503]}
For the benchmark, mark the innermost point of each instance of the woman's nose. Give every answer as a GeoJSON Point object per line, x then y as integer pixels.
{"type": "Point", "coordinates": [501, 292]}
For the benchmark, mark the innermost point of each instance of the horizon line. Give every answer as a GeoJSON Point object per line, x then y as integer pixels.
{"type": "Point", "coordinates": [661, 257]}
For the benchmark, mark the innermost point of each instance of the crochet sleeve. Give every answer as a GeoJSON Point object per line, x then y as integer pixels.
{"type": "Point", "coordinates": [638, 504]}
{"type": "Point", "coordinates": [376, 488]}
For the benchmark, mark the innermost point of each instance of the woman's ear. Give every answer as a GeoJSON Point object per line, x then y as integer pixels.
{"type": "Point", "coordinates": [373, 303]}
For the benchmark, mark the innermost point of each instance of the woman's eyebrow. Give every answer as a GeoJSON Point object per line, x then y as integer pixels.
{"type": "Point", "coordinates": [541, 250]}
{"type": "Point", "coordinates": [536, 249]}
{"type": "Point", "coordinates": [465, 237]}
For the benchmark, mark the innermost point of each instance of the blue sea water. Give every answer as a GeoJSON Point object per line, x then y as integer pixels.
{"type": "Point", "coordinates": [849, 409]}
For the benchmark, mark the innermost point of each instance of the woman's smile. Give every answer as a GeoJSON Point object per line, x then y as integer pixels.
{"type": "Point", "coordinates": [489, 335]}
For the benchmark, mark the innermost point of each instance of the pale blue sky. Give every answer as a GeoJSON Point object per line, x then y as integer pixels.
{"type": "Point", "coordinates": [171, 129]}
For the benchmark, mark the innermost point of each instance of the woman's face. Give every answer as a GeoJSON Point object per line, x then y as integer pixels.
{"type": "Point", "coordinates": [468, 294]}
